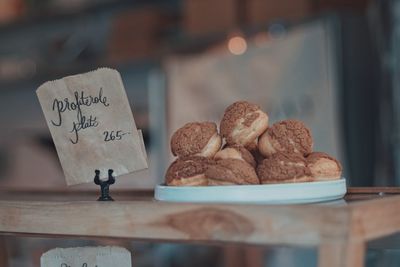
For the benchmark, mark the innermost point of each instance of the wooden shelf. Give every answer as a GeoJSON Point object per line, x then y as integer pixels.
{"type": "Point", "coordinates": [339, 229]}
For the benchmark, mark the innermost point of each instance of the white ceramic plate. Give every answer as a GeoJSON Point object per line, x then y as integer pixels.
{"type": "Point", "coordinates": [257, 194]}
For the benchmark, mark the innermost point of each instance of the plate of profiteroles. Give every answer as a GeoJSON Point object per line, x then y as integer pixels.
{"type": "Point", "coordinates": [249, 161]}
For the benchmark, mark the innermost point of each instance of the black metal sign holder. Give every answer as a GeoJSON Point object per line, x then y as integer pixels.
{"type": "Point", "coordinates": [104, 185]}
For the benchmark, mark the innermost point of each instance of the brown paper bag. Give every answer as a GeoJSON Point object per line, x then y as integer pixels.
{"type": "Point", "coordinates": [87, 257]}
{"type": "Point", "coordinates": [92, 125]}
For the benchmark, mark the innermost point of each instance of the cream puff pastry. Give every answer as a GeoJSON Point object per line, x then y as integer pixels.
{"type": "Point", "coordinates": [243, 123]}
{"type": "Point", "coordinates": [284, 168]}
{"type": "Point", "coordinates": [188, 171]}
{"type": "Point", "coordinates": [196, 139]}
{"type": "Point", "coordinates": [231, 172]}
{"type": "Point", "coordinates": [288, 136]}
{"type": "Point", "coordinates": [236, 152]}
{"type": "Point", "coordinates": [324, 167]}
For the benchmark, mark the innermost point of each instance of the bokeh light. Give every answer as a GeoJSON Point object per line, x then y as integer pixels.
{"type": "Point", "coordinates": [237, 45]}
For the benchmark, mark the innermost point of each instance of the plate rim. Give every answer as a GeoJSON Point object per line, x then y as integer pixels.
{"type": "Point", "coordinates": [314, 183]}
{"type": "Point", "coordinates": [161, 191]}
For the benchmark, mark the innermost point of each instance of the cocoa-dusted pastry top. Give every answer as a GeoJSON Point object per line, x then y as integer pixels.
{"type": "Point", "coordinates": [192, 138]}
{"type": "Point", "coordinates": [324, 166]}
{"type": "Point", "coordinates": [187, 167]}
{"type": "Point", "coordinates": [231, 171]}
{"type": "Point", "coordinates": [236, 152]}
{"type": "Point", "coordinates": [235, 112]}
{"type": "Point", "coordinates": [290, 136]}
{"type": "Point", "coordinates": [283, 167]}
{"type": "Point", "coordinates": [242, 123]}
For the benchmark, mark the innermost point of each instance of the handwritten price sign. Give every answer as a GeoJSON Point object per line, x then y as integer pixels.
{"type": "Point", "coordinates": [74, 105]}
{"type": "Point", "coordinates": [92, 125]}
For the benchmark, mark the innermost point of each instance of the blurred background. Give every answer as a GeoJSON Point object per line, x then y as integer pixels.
{"type": "Point", "coordinates": [332, 63]}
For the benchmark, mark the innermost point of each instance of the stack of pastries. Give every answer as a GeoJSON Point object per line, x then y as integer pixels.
{"type": "Point", "coordinates": [247, 151]}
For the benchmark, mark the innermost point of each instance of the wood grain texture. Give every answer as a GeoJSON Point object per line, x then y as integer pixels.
{"type": "Point", "coordinates": [63, 194]}
{"type": "Point", "coordinates": [375, 218]}
{"type": "Point", "coordinates": [368, 220]}
{"type": "Point", "coordinates": [253, 224]}
{"type": "Point", "coordinates": [340, 231]}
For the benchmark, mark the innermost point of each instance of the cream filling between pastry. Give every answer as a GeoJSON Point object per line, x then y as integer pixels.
{"type": "Point", "coordinates": [219, 182]}
{"type": "Point", "coordinates": [228, 153]}
{"type": "Point", "coordinates": [196, 180]}
{"type": "Point", "coordinates": [289, 180]}
{"type": "Point", "coordinates": [212, 147]}
{"type": "Point", "coordinates": [266, 145]}
{"type": "Point", "coordinates": [244, 135]}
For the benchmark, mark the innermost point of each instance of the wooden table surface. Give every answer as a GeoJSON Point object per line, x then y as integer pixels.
{"type": "Point", "coordinates": [339, 229]}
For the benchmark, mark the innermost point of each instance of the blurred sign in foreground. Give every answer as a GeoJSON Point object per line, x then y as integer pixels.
{"type": "Point", "coordinates": [86, 257]}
